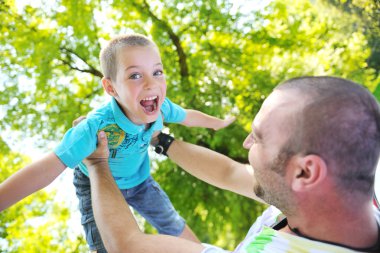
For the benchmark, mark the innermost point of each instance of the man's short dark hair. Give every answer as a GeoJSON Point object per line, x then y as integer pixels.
{"type": "Point", "coordinates": [340, 122]}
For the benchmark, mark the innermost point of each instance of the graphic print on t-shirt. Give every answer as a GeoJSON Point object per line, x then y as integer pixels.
{"type": "Point", "coordinates": [118, 140]}
{"type": "Point", "coordinates": [115, 135]}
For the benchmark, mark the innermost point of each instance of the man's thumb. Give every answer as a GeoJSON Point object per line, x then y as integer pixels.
{"type": "Point", "coordinates": [102, 139]}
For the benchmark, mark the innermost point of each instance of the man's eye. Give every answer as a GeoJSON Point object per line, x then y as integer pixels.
{"type": "Point", "coordinates": [158, 73]}
{"type": "Point", "coordinates": [135, 76]}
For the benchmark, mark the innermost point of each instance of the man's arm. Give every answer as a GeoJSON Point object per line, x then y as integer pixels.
{"type": "Point", "coordinates": [199, 119]}
{"type": "Point", "coordinates": [117, 226]}
{"type": "Point", "coordinates": [213, 168]}
{"type": "Point", "coordinates": [30, 179]}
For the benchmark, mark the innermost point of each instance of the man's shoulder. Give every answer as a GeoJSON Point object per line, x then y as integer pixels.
{"type": "Point", "coordinates": [212, 249]}
{"type": "Point", "coordinates": [377, 213]}
{"type": "Point", "coordinates": [269, 218]}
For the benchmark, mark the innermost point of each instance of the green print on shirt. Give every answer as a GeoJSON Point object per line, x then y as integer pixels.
{"type": "Point", "coordinates": [262, 240]}
{"type": "Point", "coordinates": [115, 135]}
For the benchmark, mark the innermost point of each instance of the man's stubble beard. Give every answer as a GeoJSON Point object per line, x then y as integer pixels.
{"type": "Point", "coordinates": [275, 192]}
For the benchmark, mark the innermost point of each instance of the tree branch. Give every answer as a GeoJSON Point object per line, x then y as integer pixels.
{"type": "Point", "coordinates": [90, 70]}
{"type": "Point", "coordinates": [184, 69]}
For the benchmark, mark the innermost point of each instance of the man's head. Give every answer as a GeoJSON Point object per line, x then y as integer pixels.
{"type": "Point", "coordinates": [133, 75]}
{"type": "Point", "coordinates": [314, 129]}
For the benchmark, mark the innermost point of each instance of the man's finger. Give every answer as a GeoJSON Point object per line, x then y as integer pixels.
{"type": "Point", "coordinates": [76, 121]}
{"type": "Point", "coordinates": [102, 140]}
{"type": "Point", "coordinates": [101, 152]}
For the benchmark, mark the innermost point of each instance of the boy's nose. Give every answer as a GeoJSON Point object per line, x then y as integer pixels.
{"type": "Point", "coordinates": [150, 83]}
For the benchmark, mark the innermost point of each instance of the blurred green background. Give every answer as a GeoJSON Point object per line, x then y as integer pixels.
{"type": "Point", "coordinates": [221, 57]}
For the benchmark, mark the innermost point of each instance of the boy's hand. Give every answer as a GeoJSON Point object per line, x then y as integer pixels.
{"type": "Point", "coordinates": [225, 122]}
{"type": "Point", "coordinates": [101, 153]}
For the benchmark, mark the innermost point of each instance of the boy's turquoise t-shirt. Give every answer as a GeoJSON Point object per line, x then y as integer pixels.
{"type": "Point", "coordinates": [128, 143]}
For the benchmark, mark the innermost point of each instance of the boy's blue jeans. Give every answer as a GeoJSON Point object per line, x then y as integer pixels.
{"type": "Point", "coordinates": [147, 198]}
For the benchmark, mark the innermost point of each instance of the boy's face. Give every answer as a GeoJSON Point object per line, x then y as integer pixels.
{"type": "Point", "coordinates": [140, 86]}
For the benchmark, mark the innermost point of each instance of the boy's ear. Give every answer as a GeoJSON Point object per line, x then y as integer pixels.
{"type": "Point", "coordinates": [310, 171]}
{"type": "Point", "coordinates": [108, 87]}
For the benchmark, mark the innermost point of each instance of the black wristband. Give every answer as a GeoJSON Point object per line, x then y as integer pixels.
{"type": "Point", "coordinates": [164, 142]}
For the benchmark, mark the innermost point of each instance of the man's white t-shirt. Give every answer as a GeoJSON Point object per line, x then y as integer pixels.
{"type": "Point", "coordinates": [262, 237]}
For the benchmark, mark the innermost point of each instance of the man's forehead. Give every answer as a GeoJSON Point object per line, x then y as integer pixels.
{"type": "Point", "coordinates": [283, 99]}
{"type": "Point", "coordinates": [275, 107]}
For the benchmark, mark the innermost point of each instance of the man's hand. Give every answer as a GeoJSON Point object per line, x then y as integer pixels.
{"type": "Point", "coordinates": [101, 154]}
{"type": "Point", "coordinates": [76, 121]}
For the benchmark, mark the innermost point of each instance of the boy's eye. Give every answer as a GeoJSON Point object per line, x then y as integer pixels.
{"type": "Point", "coordinates": [135, 76]}
{"type": "Point", "coordinates": [158, 73]}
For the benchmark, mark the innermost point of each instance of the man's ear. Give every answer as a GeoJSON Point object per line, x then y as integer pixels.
{"type": "Point", "coordinates": [310, 171]}
{"type": "Point", "coordinates": [108, 87]}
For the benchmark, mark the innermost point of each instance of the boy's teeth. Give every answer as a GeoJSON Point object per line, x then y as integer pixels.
{"type": "Point", "coordinates": [150, 98]}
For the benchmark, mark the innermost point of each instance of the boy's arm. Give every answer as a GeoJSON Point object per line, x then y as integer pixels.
{"type": "Point", "coordinates": [122, 234]}
{"type": "Point", "coordinates": [208, 165]}
{"type": "Point", "coordinates": [30, 179]}
{"type": "Point", "coordinates": [199, 119]}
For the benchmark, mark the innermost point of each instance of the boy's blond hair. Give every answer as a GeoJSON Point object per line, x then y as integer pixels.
{"type": "Point", "coordinates": [108, 55]}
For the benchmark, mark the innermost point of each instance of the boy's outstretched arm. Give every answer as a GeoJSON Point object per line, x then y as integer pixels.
{"type": "Point", "coordinates": [30, 179]}
{"type": "Point", "coordinates": [196, 118]}
{"type": "Point", "coordinates": [213, 168]}
{"type": "Point", "coordinates": [207, 165]}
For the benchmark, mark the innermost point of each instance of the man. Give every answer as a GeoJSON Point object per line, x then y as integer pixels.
{"type": "Point", "coordinates": [314, 146]}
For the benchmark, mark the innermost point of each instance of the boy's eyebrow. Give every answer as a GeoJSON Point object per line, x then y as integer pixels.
{"type": "Point", "coordinates": [131, 67]}
{"type": "Point", "coordinates": [137, 66]}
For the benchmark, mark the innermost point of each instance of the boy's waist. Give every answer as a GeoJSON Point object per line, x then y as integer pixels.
{"type": "Point", "coordinates": [125, 178]}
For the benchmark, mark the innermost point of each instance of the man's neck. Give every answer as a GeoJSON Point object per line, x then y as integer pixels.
{"type": "Point", "coordinates": [353, 228]}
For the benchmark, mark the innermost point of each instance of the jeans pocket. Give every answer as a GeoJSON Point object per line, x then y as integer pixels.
{"type": "Point", "coordinates": [83, 192]}
{"type": "Point", "coordinates": [155, 186]}
{"type": "Point", "coordinates": [93, 238]}
{"type": "Point", "coordinates": [80, 179]}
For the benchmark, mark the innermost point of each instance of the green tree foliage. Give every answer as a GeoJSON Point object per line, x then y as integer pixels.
{"type": "Point", "coordinates": [37, 223]}
{"type": "Point", "coordinates": [218, 58]}
{"type": "Point", "coordinates": [367, 15]}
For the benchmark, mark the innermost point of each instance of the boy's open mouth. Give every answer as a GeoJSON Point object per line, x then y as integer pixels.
{"type": "Point", "coordinates": [150, 104]}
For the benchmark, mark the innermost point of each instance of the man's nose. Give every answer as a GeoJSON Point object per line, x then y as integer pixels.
{"type": "Point", "coordinates": [247, 143]}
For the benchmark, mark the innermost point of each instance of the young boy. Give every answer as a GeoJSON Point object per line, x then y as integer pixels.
{"type": "Point", "coordinates": [134, 77]}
